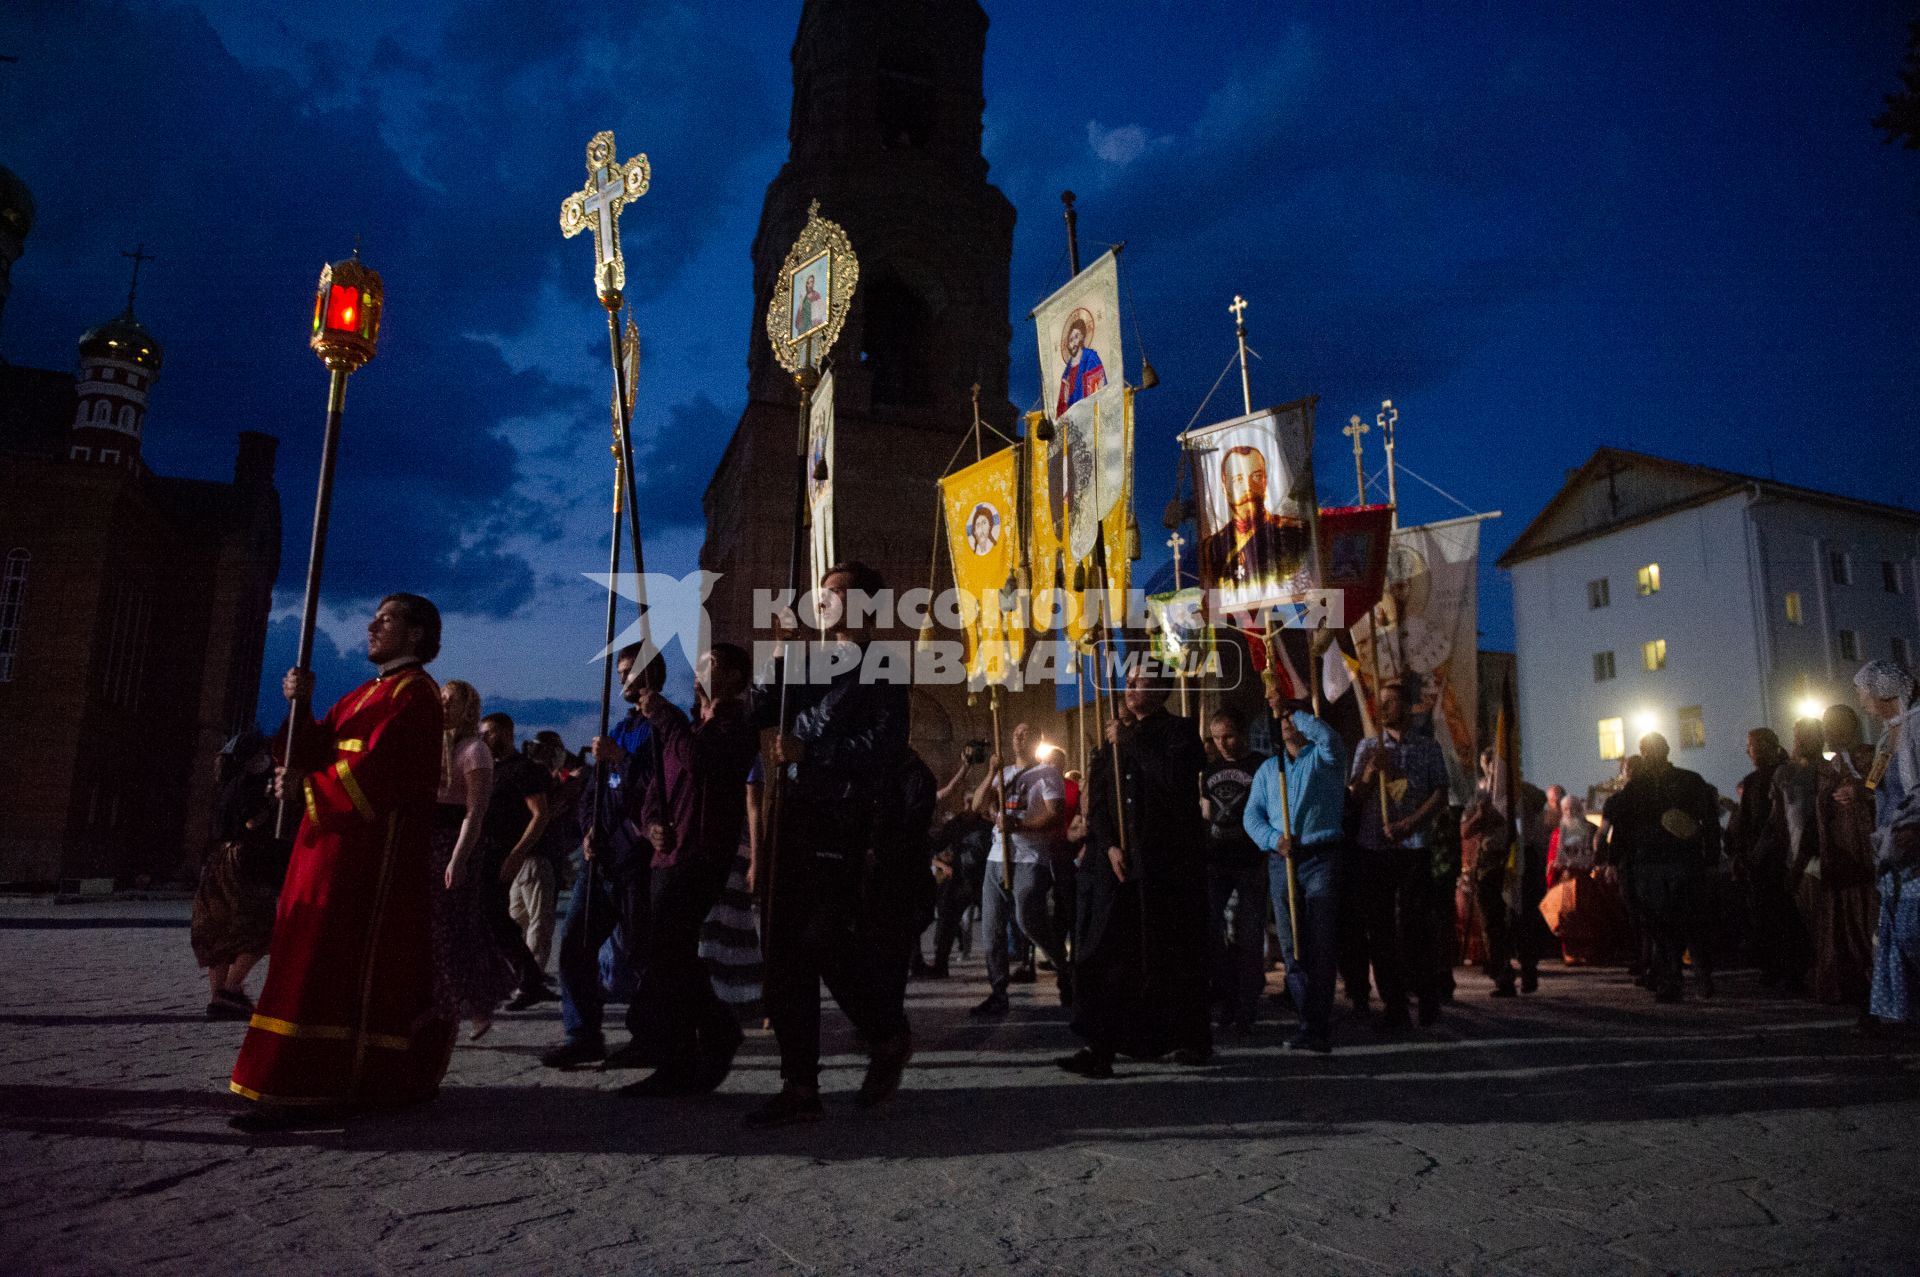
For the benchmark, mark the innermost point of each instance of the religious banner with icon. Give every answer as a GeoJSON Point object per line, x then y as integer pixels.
{"type": "Point", "coordinates": [1080, 342]}
{"type": "Point", "coordinates": [980, 504]}
{"type": "Point", "coordinates": [1429, 628]}
{"type": "Point", "coordinates": [1353, 556]}
{"type": "Point", "coordinates": [812, 294]}
{"type": "Point", "coordinates": [1253, 477]}
{"type": "Point", "coordinates": [821, 553]}
{"type": "Point", "coordinates": [1081, 486]}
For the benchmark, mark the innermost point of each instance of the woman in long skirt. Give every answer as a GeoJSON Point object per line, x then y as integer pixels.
{"type": "Point", "coordinates": [471, 976]}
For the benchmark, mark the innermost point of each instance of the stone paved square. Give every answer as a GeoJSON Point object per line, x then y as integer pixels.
{"type": "Point", "coordinates": [1580, 1131]}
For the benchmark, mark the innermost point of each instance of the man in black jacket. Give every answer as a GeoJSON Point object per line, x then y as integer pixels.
{"type": "Point", "coordinates": [1666, 824]}
{"type": "Point", "coordinates": [839, 750]}
{"type": "Point", "coordinates": [1140, 974]}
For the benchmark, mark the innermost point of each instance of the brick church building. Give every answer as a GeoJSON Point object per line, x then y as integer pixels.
{"type": "Point", "coordinates": [885, 134]}
{"type": "Point", "coordinates": [133, 610]}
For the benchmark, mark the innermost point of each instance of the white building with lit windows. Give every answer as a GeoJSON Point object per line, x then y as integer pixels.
{"type": "Point", "coordinates": [1656, 595]}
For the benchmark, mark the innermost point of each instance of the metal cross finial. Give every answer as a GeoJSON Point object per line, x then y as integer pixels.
{"type": "Point", "coordinates": [1239, 309]}
{"type": "Point", "coordinates": [1387, 418]}
{"type": "Point", "coordinates": [597, 205]}
{"type": "Point", "coordinates": [139, 255]}
{"type": "Point", "coordinates": [1353, 430]}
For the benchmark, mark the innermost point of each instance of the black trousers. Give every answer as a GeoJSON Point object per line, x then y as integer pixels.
{"type": "Point", "coordinates": [688, 1021]}
{"type": "Point", "coordinates": [1509, 936]}
{"type": "Point", "coordinates": [1392, 920]}
{"type": "Point", "coordinates": [1781, 947]}
{"type": "Point", "coordinates": [1673, 906]}
{"type": "Point", "coordinates": [815, 934]}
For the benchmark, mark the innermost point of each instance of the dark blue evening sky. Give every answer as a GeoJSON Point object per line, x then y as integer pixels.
{"type": "Point", "coordinates": [1537, 230]}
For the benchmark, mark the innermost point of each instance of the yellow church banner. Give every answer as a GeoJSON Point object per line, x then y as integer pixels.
{"type": "Point", "coordinates": [981, 505]}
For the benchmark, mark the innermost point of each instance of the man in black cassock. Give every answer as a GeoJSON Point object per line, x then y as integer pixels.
{"type": "Point", "coordinates": [1140, 970]}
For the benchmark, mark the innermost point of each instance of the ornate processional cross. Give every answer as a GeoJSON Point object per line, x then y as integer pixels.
{"type": "Point", "coordinates": [1239, 309]}
{"type": "Point", "coordinates": [597, 205]}
{"type": "Point", "coordinates": [1354, 429]}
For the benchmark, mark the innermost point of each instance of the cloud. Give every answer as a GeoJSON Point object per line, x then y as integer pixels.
{"type": "Point", "coordinates": [1120, 146]}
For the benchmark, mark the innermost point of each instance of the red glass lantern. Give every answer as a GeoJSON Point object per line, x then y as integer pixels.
{"type": "Point", "coordinates": [346, 314]}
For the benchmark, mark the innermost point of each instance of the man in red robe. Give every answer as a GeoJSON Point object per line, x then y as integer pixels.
{"type": "Point", "coordinates": [345, 1021]}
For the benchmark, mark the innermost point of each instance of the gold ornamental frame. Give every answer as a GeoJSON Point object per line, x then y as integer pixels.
{"type": "Point", "coordinates": [818, 236]}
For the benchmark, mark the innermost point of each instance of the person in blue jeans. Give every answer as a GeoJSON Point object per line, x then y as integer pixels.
{"type": "Point", "coordinates": [1294, 813]}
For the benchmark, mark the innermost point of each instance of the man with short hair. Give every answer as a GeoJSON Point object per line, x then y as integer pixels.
{"type": "Point", "coordinates": [345, 1021]}
{"type": "Point", "coordinates": [1236, 873]}
{"type": "Point", "coordinates": [610, 894]}
{"type": "Point", "coordinates": [510, 831]}
{"type": "Point", "coordinates": [1666, 824]}
{"type": "Point", "coordinates": [1028, 800]}
{"type": "Point", "coordinates": [1399, 781]}
{"type": "Point", "coordinates": [1296, 813]}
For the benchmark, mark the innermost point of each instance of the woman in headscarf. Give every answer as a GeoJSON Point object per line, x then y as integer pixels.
{"type": "Point", "coordinates": [1886, 692]}
{"type": "Point", "coordinates": [1582, 907]}
{"type": "Point", "coordinates": [1835, 886]}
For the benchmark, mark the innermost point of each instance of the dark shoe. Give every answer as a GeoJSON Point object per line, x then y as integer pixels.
{"type": "Point", "coordinates": [884, 1067]}
{"type": "Point", "coordinates": [994, 1004]}
{"type": "Point", "coordinates": [664, 1084]}
{"type": "Point", "coordinates": [574, 1052]}
{"type": "Point", "coordinates": [1395, 1017]}
{"type": "Point", "coordinates": [1023, 974]}
{"type": "Point", "coordinates": [1429, 1012]}
{"type": "Point", "coordinates": [1193, 1057]}
{"type": "Point", "coordinates": [1304, 1041]}
{"type": "Point", "coordinates": [225, 1007]}
{"type": "Point", "coordinates": [529, 996]}
{"type": "Point", "coordinates": [1529, 982]}
{"type": "Point", "coordinates": [1503, 991]}
{"type": "Point", "coordinates": [1087, 1063]}
{"type": "Point", "coordinates": [266, 1119]}
{"type": "Point", "coordinates": [792, 1106]}
{"type": "Point", "coordinates": [634, 1055]}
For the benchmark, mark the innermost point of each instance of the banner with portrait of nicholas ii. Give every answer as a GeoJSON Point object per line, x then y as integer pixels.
{"type": "Point", "coordinates": [1253, 483]}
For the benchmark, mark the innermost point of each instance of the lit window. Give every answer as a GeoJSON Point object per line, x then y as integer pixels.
{"type": "Point", "coordinates": [1598, 593]}
{"type": "Point", "coordinates": [1849, 645]}
{"type": "Point", "coordinates": [1602, 666]}
{"type": "Point", "coordinates": [1613, 739]}
{"type": "Point", "coordinates": [13, 602]}
{"type": "Point", "coordinates": [1653, 653]}
{"type": "Point", "coordinates": [1693, 727]}
{"type": "Point", "coordinates": [1902, 654]}
{"type": "Point", "coordinates": [1890, 577]}
{"type": "Point", "coordinates": [1649, 579]}
{"type": "Point", "coordinates": [1840, 567]}
{"type": "Point", "coordinates": [1796, 615]}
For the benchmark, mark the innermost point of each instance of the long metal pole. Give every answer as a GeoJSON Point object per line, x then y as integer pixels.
{"type": "Point", "coordinates": [806, 378]}
{"type": "Point", "coordinates": [601, 765]}
{"type": "Point", "coordinates": [1073, 232]}
{"type": "Point", "coordinates": [1000, 788]}
{"type": "Point", "coordinates": [302, 708]}
{"type": "Point", "coordinates": [623, 406]}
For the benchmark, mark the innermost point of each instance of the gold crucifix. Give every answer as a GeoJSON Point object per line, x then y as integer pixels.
{"type": "Point", "coordinates": [1239, 309]}
{"type": "Point", "coordinates": [1354, 429]}
{"type": "Point", "coordinates": [597, 205]}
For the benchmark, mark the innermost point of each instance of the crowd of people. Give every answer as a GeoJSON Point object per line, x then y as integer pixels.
{"type": "Point", "coordinates": [783, 838]}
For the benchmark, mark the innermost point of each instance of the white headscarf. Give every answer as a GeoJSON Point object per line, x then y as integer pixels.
{"type": "Point", "coordinates": [1886, 681]}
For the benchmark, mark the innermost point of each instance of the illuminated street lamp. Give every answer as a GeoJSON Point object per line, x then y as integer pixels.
{"type": "Point", "coordinates": [1645, 721]}
{"type": "Point", "coordinates": [1808, 707]}
{"type": "Point", "coordinates": [346, 331]}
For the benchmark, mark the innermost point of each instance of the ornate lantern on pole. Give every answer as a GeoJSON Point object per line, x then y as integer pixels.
{"type": "Point", "coordinates": [346, 332]}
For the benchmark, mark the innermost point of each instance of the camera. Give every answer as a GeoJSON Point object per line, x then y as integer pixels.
{"type": "Point", "coordinates": [975, 751]}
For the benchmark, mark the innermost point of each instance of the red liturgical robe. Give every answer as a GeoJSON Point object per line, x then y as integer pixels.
{"type": "Point", "coordinates": [345, 1016]}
